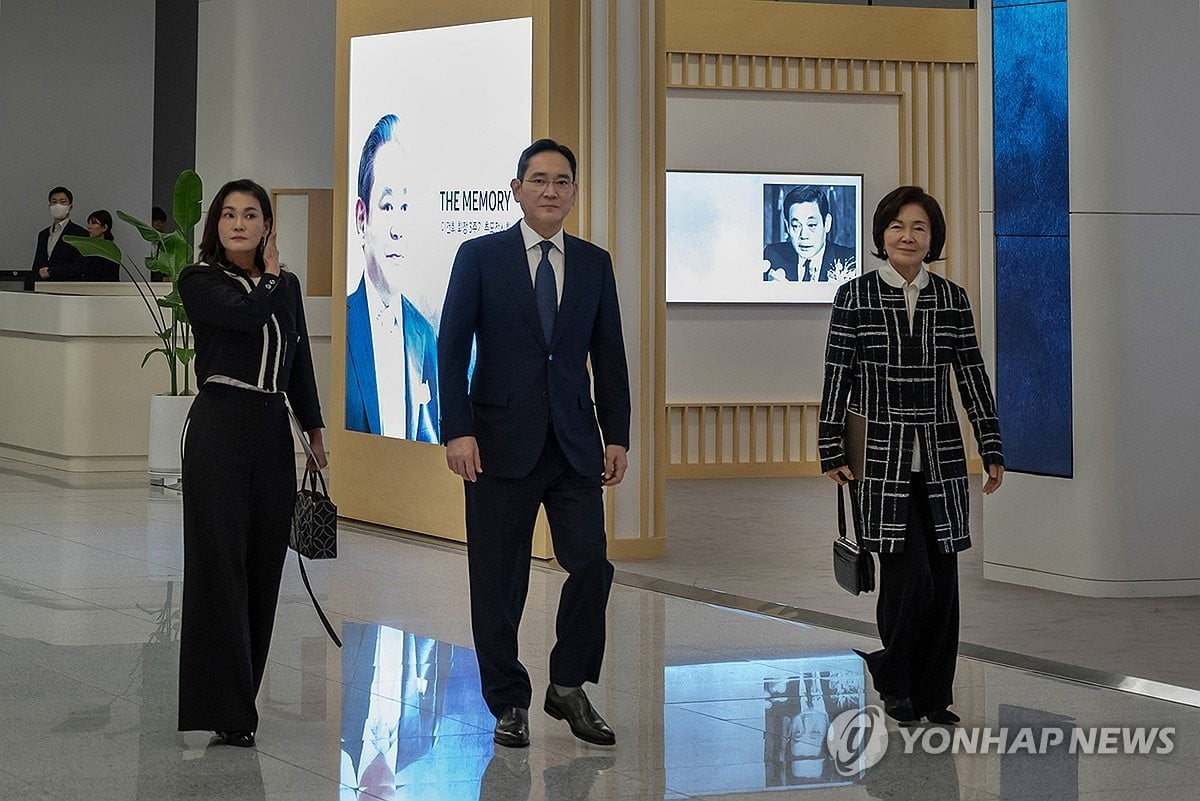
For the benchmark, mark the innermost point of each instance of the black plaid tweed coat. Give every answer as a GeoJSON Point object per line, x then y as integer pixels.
{"type": "Point", "coordinates": [900, 380]}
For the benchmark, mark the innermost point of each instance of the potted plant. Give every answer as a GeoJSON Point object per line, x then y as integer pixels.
{"type": "Point", "coordinates": [172, 252]}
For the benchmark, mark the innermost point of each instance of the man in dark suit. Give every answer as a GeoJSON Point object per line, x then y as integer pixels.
{"type": "Point", "coordinates": [539, 304]}
{"type": "Point", "coordinates": [809, 254]}
{"type": "Point", "coordinates": [54, 259]}
{"type": "Point", "coordinates": [391, 347]}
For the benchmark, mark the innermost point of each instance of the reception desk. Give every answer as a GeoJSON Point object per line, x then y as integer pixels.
{"type": "Point", "coordinates": [72, 393]}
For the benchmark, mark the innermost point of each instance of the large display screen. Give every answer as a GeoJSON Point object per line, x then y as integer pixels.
{"type": "Point", "coordinates": [437, 119]}
{"type": "Point", "coordinates": [761, 237]}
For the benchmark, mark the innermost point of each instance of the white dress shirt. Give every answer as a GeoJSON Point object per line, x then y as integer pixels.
{"type": "Point", "coordinates": [534, 253]}
{"type": "Point", "coordinates": [56, 230]}
{"type": "Point", "coordinates": [393, 374]}
{"type": "Point", "coordinates": [911, 289]}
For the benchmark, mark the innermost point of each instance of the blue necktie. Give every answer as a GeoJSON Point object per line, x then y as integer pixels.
{"type": "Point", "coordinates": [545, 291]}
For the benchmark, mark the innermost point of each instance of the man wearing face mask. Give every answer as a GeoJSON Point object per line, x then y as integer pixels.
{"type": "Point", "coordinates": [55, 260]}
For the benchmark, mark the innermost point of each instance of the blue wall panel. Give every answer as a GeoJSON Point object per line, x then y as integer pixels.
{"type": "Point", "coordinates": [1033, 353]}
{"type": "Point", "coordinates": [1030, 122]}
{"type": "Point", "coordinates": [1032, 226]}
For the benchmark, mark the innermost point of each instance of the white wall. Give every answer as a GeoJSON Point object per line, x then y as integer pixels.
{"type": "Point", "coordinates": [264, 99]}
{"type": "Point", "coordinates": [742, 352]}
{"type": "Point", "coordinates": [1125, 524]}
{"type": "Point", "coordinates": [77, 105]}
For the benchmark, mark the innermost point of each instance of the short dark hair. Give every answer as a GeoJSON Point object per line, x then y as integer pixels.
{"type": "Point", "coordinates": [805, 194]}
{"type": "Point", "coordinates": [211, 249]}
{"type": "Point", "coordinates": [544, 146]}
{"type": "Point", "coordinates": [383, 132]}
{"type": "Point", "coordinates": [65, 191]}
{"type": "Point", "coordinates": [157, 214]}
{"type": "Point", "coordinates": [104, 218]}
{"type": "Point", "coordinates": [889, 209]}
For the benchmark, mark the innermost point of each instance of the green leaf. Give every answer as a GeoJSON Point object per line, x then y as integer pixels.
{"type": "Point", "coordinates": [177, 254]}
{"type": "Point", "coordinates": [145, 229]}
{"type": "Point", "coordinates": [189, 191]}
{"type": "Point", "coordinates": [185, 355]}
{"type": "Point", "coordinates": [166, 353]}
{"type": "Point", "coordinates": [95, 246]}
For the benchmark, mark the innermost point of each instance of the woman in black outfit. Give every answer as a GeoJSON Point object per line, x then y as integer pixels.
{"type": "Point", "coordinates": [239, 480]}
{"type": "Point", "coordinates": [894, 335]}
{"type": "Point", "coordinates": [98, 268]}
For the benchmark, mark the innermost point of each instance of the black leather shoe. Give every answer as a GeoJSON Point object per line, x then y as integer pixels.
{"type": "Point", "coordinates": [512, 728]}
{"type": "Point", "coordinates": [578, 712]}
{"type": "Point", "coordinates": [898, 708]}
{"type": "Point", "coordinates": [943, 716]}
{"type": "Point", "coordinates": [241, 739]}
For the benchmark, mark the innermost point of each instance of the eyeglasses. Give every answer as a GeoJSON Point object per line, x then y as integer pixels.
{"type": "Point", "coordinates": [540, 184]}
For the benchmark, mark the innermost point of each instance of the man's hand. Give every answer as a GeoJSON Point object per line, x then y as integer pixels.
{"type": "Point", "coordinates": [616, 462]}
{"type": "Point", "coordinates": [44, 273]}
{"type": "Point", "coordinates": [462, 457]}
{"type": "Point", "coordinates": [841, 474]}
{"type": "Point", "coordinates": [995, 479]}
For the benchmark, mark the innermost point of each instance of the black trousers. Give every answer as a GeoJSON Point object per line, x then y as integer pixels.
{"type": "Point", "coordinates": [917, 613]}
{"type": "Point", "coordinates": [239, 487]}
{"type": "Point", "coordinates": [501, 513]}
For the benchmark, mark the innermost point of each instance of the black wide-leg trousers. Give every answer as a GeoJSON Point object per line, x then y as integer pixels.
{"type": "Point", "coordinates": [501, 513]}
{"type": "Point", "coordinates": [917, 614]}
{"type": "Point", "coordinates": [239, 488]}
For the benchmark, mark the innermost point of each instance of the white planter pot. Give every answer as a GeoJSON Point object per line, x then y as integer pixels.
{"type": "Point", "coordinates": [167, 415]}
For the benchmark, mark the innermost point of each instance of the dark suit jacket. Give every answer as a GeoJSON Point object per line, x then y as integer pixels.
{"type": "Point", "coordinates": [783, 256]}
{"type": "Point", "coordinates": [362, 387]}
{"type": "Point", "coordinates": [521, 383]}
{"type": "Point", "coordinates": [66, 263]}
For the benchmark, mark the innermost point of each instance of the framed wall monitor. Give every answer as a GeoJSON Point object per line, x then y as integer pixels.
{"type": "Point", "coordinates": [741, 237]}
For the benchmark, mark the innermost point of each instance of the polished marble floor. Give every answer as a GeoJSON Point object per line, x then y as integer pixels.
{"type": "Point", "coordinates": [707, 702]}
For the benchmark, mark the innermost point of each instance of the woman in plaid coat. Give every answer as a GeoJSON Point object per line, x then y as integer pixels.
{"type": "Point", "coordinates": [893, 337]}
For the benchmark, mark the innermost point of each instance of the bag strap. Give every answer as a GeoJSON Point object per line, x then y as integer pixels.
{"type": "Point", "coordinates": [312, 476]}
{"type": "Point", "coordinates": [841, 490]}
{"type": "Point", "coordinates": [320, 612]}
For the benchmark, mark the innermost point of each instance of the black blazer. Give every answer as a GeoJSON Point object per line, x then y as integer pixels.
{"type": "Point", "coordinates": [521, 383]}
{"type": "Point", "coordinates": [253, 332]}
{"type": "Point", "coordinates": [66, 263]}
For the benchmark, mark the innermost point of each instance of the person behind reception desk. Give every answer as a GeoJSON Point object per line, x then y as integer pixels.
{"type": "Point", "coordinates": [391, 348]}
{"type": "Point", "coordinates": [894, 335]}
{"type": "Point", "coordinates": [541, 306]}
{"type": "Point", "coordinates": [239, 483]}
{"type": "Point", "coordinates": [158, 221]}
{"type": "Point", "coordinates": [54, 259]}
{"type": "Point", "coordinates": [809, 254]}
{"type": "Point", "coordinates": [98, 268]}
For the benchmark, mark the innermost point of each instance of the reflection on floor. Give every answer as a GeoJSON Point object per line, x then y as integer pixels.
{"type": "Point", "coordinates": [769, 539]}
{"type": "Point", "coordinates": [707, 702]}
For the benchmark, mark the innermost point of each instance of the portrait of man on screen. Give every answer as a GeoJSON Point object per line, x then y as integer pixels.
{"type": "Point", "coordinates": [809, 251]}
{"type": "Point", "coordinates": [391, 345]}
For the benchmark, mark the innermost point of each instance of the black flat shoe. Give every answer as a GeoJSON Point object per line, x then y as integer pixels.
{"type": "Point", "coordinates": [900, 709]}
{"type": "Point", "coordinates": [240, 739]}
{"type": "Point", "coordinates": [512, 728]}
{"type": "Point", "coordinates": [580, 715]}
{"type": "Point", "coordinates": [944, 717]}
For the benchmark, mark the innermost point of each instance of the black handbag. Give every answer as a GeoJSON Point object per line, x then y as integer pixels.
{"type": "Point", "coordinates": [853, 566]}
{"type": "Point", "coordinates": [314, 525]}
